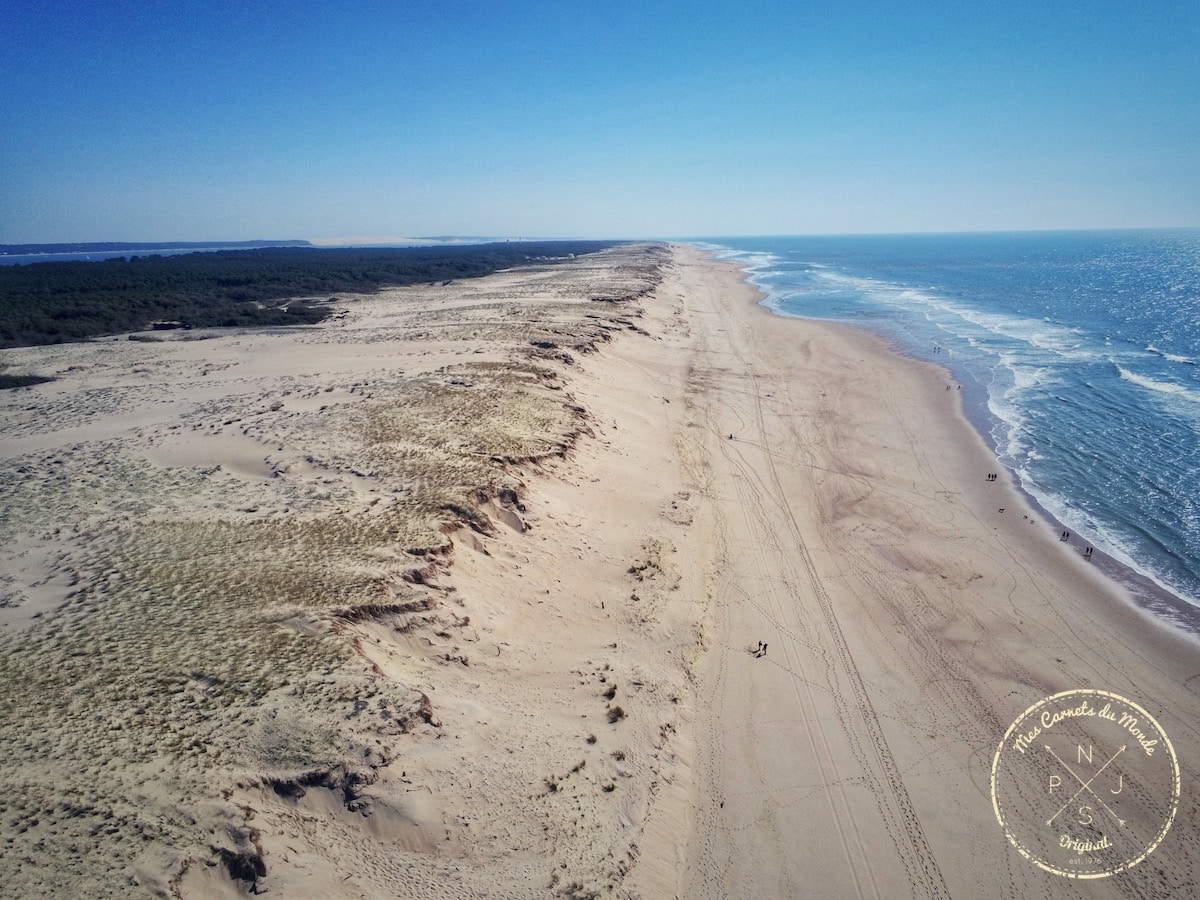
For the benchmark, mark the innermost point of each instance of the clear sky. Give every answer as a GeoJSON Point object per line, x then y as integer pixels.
{"type": "Point", "coordinates": [249, 119]}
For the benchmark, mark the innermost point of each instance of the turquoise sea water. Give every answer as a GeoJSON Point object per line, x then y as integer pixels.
{"type": "Point", "coordinates": [1079, 354]}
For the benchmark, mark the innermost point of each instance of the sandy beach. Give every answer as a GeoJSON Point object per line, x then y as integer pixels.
{"type": "Point", "coordinates": [458, 595]}
{"type": "Point", "coordinates": [913, 609]}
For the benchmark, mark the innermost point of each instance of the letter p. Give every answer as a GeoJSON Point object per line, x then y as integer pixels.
{"type": "Point", "coordinates": [1055, 781]}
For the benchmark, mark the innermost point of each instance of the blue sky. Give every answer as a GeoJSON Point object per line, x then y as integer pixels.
{"type": "Point", "coordinates": [249, 119]}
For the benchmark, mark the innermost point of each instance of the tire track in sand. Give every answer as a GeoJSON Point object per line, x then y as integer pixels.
{"type": "Point", "coordinates": [715, 850]}
{"type": "Point", "coordinates": [763, 498]}
{"type": "Point", "coordinates": [915, 851]}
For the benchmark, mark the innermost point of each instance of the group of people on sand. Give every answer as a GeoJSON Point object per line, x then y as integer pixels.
{"type": "Point", "coordinates": [760, 651]}
{"type": "Point", "coordinates": [1064, 536]}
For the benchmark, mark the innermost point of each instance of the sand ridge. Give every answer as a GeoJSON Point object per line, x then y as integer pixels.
{"type": "Point", "coordinates": [225, 613]}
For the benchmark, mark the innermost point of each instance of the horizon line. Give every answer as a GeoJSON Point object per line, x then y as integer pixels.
{"type": "Point", "coordinates": [397, 240]}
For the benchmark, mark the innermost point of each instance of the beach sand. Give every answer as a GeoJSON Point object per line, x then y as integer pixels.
{"type": "Point", "coordinates": [913, 610]}
{"type": "Point", "coordinates": [456, 595]}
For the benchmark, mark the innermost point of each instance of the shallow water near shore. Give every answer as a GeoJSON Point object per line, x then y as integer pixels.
{"type": "Point", "coordinates": [1077, 352]}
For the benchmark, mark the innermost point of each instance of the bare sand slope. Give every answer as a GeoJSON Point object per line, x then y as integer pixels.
{"type": "Point", "coordinates": [913, 609]}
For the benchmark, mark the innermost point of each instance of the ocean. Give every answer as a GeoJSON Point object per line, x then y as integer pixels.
{"type": "Point", "coordinates": [1078, 353]}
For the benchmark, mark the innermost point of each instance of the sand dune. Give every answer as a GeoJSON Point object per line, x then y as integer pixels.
{"type": "Point", "coordinates": [225, 615]}
{"type": "Point", "coordinates": [457, 595]}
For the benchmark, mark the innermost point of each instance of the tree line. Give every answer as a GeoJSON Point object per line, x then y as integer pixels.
{"type": "Point", "coordinates": [54, 302]}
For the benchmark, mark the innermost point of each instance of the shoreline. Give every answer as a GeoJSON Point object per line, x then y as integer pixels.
{"type": "Point", "coordinates": [916, 610]}
{"type": "Point", "coordinates": [1144, 594]}
{"type": "Point", "coordinates": [1144, 590]}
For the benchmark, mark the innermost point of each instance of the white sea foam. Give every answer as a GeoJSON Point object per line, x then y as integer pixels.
{"type": "Point", "coordinates": [1029, 377]}
{"type": "Point", "coordinates": [1176, 391]}
{"type": "Point", "coordinates": [1171, 357]}
{"type": "Point", "coordinates": [1008, 437]}
{"type": "Point", "coordinates": [1038, 334]}
{"type": "Point", "coordinates": [1110, 540]}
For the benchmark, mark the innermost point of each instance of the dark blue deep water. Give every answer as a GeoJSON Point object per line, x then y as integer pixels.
{"type": "Point", "coordinates": [1078, 350]}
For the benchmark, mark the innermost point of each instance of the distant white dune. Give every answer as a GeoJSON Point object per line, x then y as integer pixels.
{"type": "Point", "coordinates": [393, 241]}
